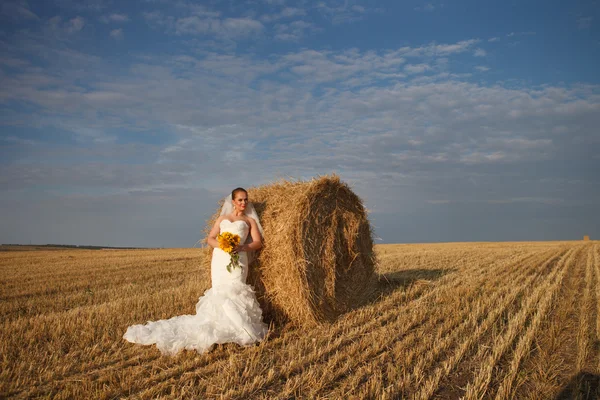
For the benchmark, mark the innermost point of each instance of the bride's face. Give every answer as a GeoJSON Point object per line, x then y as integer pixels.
{"type": "Point", "coordinates": [240, 202]}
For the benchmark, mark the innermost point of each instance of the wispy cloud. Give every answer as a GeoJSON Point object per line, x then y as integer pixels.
{"type": "Point", "coordinates": [294, 31]}
{"type": "Point", "coordinates": [525, 33]}
{"type": "Point", "coordinates": [17, 10]}
{"type": "Point", "coordinates": [341, 12]}
{"type": "Point", "coordinates": [19, 141]}
{"type": "Point", "coordinates": [372, 125]}
{"type": "Point", "coordinates": [116, 33]}
{"type": "Point", "coordinates": [228, 27]}
{"type": "Point", "coordinates": [285, 13]}
{"type": "Point", "coordinates": [479, 53]}
{"type": "Point", "coordinates": [156, 18]}
{"type": "Point", "coordinates": [261, 90]}
{"type": "Point", "coordinates": [85, 5]}
{"type": "Point", "coordinates": [75, 25]}
{"type": "Point", "coordinates": [416, 68]}
{"type": "Point", "coordinates": [584, 22]}
{"type": "Point", "coordinates": [444, 49]}
{"type": "Point", "coordinates": [428, 7]}
{"type": "Point", "coordinates": [116, 18]}
{"type": "Point", "coordinates": [56, 28]}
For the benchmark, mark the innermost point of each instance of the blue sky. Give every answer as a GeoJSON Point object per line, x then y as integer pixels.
{"type": "Point", "coordinates": [123, 123]}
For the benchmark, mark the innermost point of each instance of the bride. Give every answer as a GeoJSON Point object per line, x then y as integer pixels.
{"type": "Point", "coordinates": [228, 311]}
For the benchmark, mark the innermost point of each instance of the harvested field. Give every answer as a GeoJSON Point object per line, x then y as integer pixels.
{"type": "Point", "coordinates": [471, 320]}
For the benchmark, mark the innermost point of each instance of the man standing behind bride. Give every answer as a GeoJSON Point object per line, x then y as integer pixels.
{"type": "Point", "coordinates": [228, 311]}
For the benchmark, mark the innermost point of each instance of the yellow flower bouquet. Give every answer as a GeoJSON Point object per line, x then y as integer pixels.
{"type": "Point", "coordinates": [228, 242]}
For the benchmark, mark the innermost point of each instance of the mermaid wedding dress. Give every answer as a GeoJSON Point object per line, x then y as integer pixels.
{"type": "Point", "coordinates": [228, 311]}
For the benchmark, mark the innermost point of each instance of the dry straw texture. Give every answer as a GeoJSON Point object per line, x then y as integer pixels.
{"type": "Point", "coordinates": [500, 321]}
{"type": "Point", "coordinates": [317, 260]}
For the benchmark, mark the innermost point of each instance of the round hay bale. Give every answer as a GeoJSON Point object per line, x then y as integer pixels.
{"type": "Point", "coordinates": [317, 260]}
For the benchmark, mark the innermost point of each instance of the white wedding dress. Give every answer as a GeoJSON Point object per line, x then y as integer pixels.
{"type": "Point", "coordinates": [228, 311]}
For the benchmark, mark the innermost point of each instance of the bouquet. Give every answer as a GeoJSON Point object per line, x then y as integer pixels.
{"type": "Point", "coordinates": [228, 242]}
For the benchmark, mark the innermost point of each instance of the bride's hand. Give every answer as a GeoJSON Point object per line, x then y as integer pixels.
{"type": "Point", "coordinates": [240, 248]}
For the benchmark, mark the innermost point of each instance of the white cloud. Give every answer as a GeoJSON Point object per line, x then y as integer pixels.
{"type": "Point", "coordinates": [482, 158]}
{"type": "Point", "coordinates": [116, 33]}
{"type": "Point", "coordinates": [157, 19]}
{"type": "Point", "coordinates": [285, 13]}
{"type": "Point", "coordinates": [542, 200]}
{"type": "Point", "coordinates": [294, 31]}
{"type": "Point", "coordinates": [479, 53]}
{"type": "Point", "coordinates": [341, 12]}
{"type": "Point", "coordinates": [199, 10]}
{"type": "Point", "coordinates": [14, 62]}
{"type": "Point", "coordinates": [241, 27]}
{"type": "Point", "coordinates": [350, 67]}
{"type": "Point", "coordinates": [428, 7]}
{"type": "Point", "coordinates": [438, 201]}
{"type": "Point", "coordinates": [153, 16]}
{"type": "Point", "coordinates": [18, 140]}
{"type": "Point", "coordinates": [289, 12]}
{"type": "Point", "coordinates": [438, 50]}
{"type": "Point", "coordinates": [406, 124]}
{"type": "Point", "coordinates": [75, 24]}
{"type": "Point", "coordinates": [82, 134]}
{"type": "Point", "coordinates": [584, 22]}
{"type": "Point", "coordinates": [453, 48]}
{"type": "Point", "coordinates": [417, 68]}
{"type": "Point", "coordinates": [53, 23]}
{"type": "Point", "coordinates": [195, 25]}
{"type": "Point", "coordinates": [512, 34]}
{"type": "Point", "coordinates": [494, 39]}
{"type": "Point", "coordinates": [306, 112]}
{"type": "Point", "coordinates": [117, 18]}
{"type": "Point", "coordinates": [192, 19]}
{"type": "Point", "coordinates": [87, 5]}
{"type": "Point", "coordinates": [229, 27]}
{"type": "Point", "coordinates": [17, 10]}
{"type": "Point", "coordinates": [55, 28]}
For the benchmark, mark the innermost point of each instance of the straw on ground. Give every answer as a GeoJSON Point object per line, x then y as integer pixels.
{"type": "Point", "coordinates": [480, 320]}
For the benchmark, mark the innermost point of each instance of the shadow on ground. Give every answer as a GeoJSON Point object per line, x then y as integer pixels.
{"type": "Point", "coordinates": [584, 385]}
{"type": "Point", "coordinates": [392, 281]}
{"type": "Point", "coordinates": [382, 286]}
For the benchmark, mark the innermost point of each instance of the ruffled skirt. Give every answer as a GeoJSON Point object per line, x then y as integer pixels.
{"type": "Point", "coordinates": [226, 313]}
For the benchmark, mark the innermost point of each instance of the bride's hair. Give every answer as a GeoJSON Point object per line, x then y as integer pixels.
{"type": "Point", "coordinates": [250, 211]}
{"type": "Point", "coordinates": [237, 190]}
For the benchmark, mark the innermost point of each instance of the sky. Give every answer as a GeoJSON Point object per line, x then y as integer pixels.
{"type": "Point", "coordinates": [124, 123]}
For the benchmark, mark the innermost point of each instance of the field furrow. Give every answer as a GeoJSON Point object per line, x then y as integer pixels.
{"type": "Point", "coordinates": [330, 341]}
{"type": "Point", "coordinates": [416, 317]}
{"type": "Point", "coordinates": [479, 320]}
{"type": "Point", "coordinates": [542, 295]}
{"type": "Point", "coordinates": [585, 332]}
{"type": "Point", "coordinates": [422, 347]}
{"type": "Point", "coordinates": [521, 351]}
{"type": "Point", "coordinates": [596, 255]}
{"type": "Point", "coordinates": [293, 372]}
{"type": "Point", "coordinates": [506, 299]}
{"type": "Point", "coordinates": [336, 339]}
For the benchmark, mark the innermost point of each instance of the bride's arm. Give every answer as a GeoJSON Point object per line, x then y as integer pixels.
{"type": "Point", "coordinates": [256, 243]}
{"type": "Point", "coordinates": [214, 232]}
